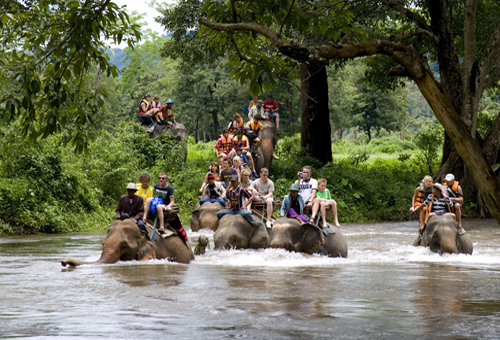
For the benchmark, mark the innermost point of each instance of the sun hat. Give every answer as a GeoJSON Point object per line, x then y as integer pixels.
{"type": "Point", "coordinates": [132, 186]}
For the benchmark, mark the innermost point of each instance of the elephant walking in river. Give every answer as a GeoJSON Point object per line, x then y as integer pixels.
{"type": "Point", "coordinates": [126, 242]}
{"type": "Point", "coordinates": [289, 234]}
{"type": "Point", "coordinates": [204, 216]}
{"type": "Point", "coordinates": [235, 231]}
{"type": "Point", "coordinates": [441, 236]}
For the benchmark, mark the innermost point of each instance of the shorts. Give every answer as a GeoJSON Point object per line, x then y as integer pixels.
{"type": "Point", "coordinates": [155, 202]}
{"type": "Point", "coordinates": [272, 114]}
{"type": "Point", "coordinates": [252, 135]}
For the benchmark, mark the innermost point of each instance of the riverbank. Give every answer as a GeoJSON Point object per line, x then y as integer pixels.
{"type": "Point", "coordinates": [45, 187]}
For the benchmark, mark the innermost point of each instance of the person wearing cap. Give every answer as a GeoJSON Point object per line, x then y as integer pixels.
{"type": "Point", "coordinates": [454, 192]}
{"type": "Point", "coordinates": [271, 110]}
{"type": "Point", "coordinates": [293, 205]}
{"type": "Point", "coordinates": [437, 203]}
{"type": "Point", "coordinates": [235, 194]}
{"type": "Point", "coordinates": [212, 191]}
{"type": "Point", "coordinates": [168, 113]}
{"type": "Point", "coordinates": [264, 187]}
{"type": "Point", "coordinates": [131, 206]}
{"type": "Point", "coordinates": [258, 109]}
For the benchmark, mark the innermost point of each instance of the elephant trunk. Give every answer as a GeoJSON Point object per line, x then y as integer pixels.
{"type": "Point", "coordinates": [108, 255]}
{"type": "Point", "coordinates": [448, 246]}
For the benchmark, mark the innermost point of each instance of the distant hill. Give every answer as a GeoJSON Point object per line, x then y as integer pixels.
{"type": "Point", "coordinates": [117, 56]}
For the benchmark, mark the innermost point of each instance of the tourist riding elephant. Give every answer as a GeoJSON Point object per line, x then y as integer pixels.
{"type": "Point", "coordinates": [204, 216]}
{"type": "Point", "coordinates": [289, 234]}
{"type": "Point", "coordinates": [235, 231]}
{"type": "Point", "coordinates": [441, 236]}
{"type": "Point", "coordinates": [268, 142]}
{"type": "Point", "coordinates": [126, 242]}
{"type": "Point", "coordinates": [178, 131]}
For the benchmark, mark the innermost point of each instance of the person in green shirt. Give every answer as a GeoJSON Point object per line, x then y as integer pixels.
{"type": "Point", "coordinates": [324, 201]}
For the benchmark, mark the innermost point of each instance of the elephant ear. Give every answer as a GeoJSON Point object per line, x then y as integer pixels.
{"type": "Point", "coordinates": [145, 247]}
{"type": "Point", "coordinates": [195, 220]}
{"type": "Point", "coordinates": [312, 238]}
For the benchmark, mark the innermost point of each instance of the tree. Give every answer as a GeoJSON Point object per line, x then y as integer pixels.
{"type": "Point", "coordinates": [254, 60]}
{"type": "Point", "coordinates": [408, 34]}
{"type": "Point", "coordinates": [47, 49]}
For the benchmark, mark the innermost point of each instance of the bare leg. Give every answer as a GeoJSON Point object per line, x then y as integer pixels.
{"type": "Point", "coordinates": [160, 208]}
{"type": "Point", "coordinates": [458, 214]}
{"type": "Point", "coordinates": [146, 208]}
{"type": "Point", "coordinates": [315, 208]}
{"type": "Point", "coordinates": [277, 121]}
{"type": "Point", "coordinates": [257, 144]}
{"type": "Point", "coordinates": [422, 219]}
{"type": "Point", "coordinates": [334, 210]}
{"type": "Point", "coordinates": [429, 216]}
{"type": "Point", "coordinates": [323, 212]}
{"type": "Point", "coordinates": [250, 161]}
{"type": "Point", "coordinates": [269, 202]}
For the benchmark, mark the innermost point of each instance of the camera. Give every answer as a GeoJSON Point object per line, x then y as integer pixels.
{"type": "Point", "coordinates": [302, 175]}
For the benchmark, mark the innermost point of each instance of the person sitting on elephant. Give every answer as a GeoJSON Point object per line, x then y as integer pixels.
{"type": "Point", "coordinates": [237, 165]}
{"type": "Point", "coordinates": [166, 193]}
{"type": "Point", "coordinates": [264, 187]}
{"type": "Point", "coordinates": [271, 109]}
{"type": "Point", "coordinates": [437, 204]}
{"type": "Point", "coordinates": [307, 186]}
{"type": "Point", "coordinates": [168, 114]}
{"type": "Point", "coordinates": [235, 195]}
{"type": "Point", "coordinates": [236, 123]}
{"type": "Point", "coordinates": [258, 109]}
{"type": "Point", "coordinates": [293, 205]}
{"type": "Point", "coordinates": [131, 206]}
{"type": "Point", "coordinates": [225, 143]}
{"type": "Point", "coordinates": [227, 172]}
{"type": "Point", "coordinates": [246, 183]}
{"type": "Point", "coordinates": [145, 109]}
{"type": "Point", "coordinates": [423, 190]}
{"type": "Point", "coordinates": [253, 102]}
{"type": "Point", "coordinates": [215, 171]}
{"type": "Point", "coordinates": [213, 191]}
{"type": "Point", "coordinates": [324, 201]}
{"type": "Point", "coordinates": [144, 189]}
{"type": "Point", "coordinates": [255, 132]}
{"type": "Point", "coordinates": [156, 104]}
{"type": "Point", "coordinates": [454, 192]}
{"type": "Point", "coordinates": [241, 142]}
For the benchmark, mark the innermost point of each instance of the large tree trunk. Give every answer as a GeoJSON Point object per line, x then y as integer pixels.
{"type": "Point", "coordinates": [316, 131]}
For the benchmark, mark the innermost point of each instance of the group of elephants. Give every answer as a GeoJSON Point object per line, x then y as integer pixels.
{"type": "Point", "coordinates": [126, 242]}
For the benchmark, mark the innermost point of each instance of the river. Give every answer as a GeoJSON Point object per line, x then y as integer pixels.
{"type": "Point", "coordinates": [385, 289]}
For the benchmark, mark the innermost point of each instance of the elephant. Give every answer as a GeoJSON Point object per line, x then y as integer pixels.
{"type": "Point", "coordinates": [268, 142]}
{"type": "Point", "coordinates": [289, 234]}
{"type": "Point", "coordinates": [178, 131]}
{"type": "Point", "coordinates": [235, 231]}
{"type": "Point", "coordinates": [126, 242]}
{"type": "Point", "coordinates": [204, 216]}
{"type": "Point", "coordinates": [441, 236]}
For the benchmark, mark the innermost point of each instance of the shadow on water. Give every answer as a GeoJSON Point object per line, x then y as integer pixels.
{"type": "Point", "coordinates": [146, 275]}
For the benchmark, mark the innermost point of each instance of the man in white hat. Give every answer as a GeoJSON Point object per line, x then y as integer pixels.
{"type": "Point", "coordinates": [131, 206]}
{"type": "Point", "coordinates": [454, 192]}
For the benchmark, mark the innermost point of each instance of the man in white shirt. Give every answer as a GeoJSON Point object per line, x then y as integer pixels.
{"type": "Point", "coordinates": [307, 186]}
{"type": "Point", "coordinates": [265, 189]}
{"type": "Point", "coordinates": [258, 109]}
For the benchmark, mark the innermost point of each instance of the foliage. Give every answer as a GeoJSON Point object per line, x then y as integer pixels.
{"type": "Point", "coordinates": [428, 139]}
{"type": "Point", "coordinates": [50, 88]}
{"type": "Point", "coordinates": [44, 186]}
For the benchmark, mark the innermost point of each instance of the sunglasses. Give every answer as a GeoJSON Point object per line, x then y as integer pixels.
{"type": "Point", "coordinates": [162, 177]}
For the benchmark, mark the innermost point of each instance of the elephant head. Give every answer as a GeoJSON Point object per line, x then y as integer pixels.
{"type": "Point", "coordinates": [204, 216]}
{"type": "Point", "coordinates": [235, 231]}
{"type": "Point", "coordinates": [441, 236]}
{"type": "Point", "coordinates": [268, 142]}
{"type": "Point", "coordinates": [124, 242]}
{"type": "Point", "coordinates": [289, 234]}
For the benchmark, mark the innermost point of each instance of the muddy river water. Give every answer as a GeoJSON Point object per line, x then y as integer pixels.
{"type": "Point", "coordinates": [385, 289]}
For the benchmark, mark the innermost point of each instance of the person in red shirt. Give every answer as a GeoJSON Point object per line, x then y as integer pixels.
{"type": "Point", "coordinates": [271, 108]}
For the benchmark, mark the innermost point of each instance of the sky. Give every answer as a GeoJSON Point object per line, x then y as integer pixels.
{"type": "Point", "coordinates": [144, 6]}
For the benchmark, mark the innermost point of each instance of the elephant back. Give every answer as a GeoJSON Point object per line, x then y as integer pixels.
{"type": "Point", "coordinates": [172, 248]}
{"type": "Point", "coordinates": [335, 244]}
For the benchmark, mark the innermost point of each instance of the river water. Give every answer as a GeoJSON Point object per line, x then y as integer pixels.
{"type": "Point", "coordinates": [385, 289]}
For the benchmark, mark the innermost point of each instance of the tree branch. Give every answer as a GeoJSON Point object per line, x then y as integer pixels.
{"type": "Point", "coordinates": [469, 77]}
{"type": "Point", "coordinates": [420, 21]}
{"type": "Point", "coordinates": [240, 55]}
{"type": "Point", "coordinates": [284, 19]}
{"type": "Point", "coordinates": [411, 34]}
